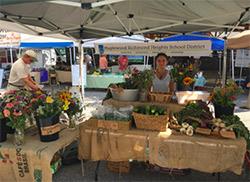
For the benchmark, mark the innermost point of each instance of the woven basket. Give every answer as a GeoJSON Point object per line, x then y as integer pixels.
{"type": "Point", "coordinates": [118, 167]}
{"type": "Point", "coordinates": [151, 122]}
{"type": "Point", "coordinates": [160, 97]}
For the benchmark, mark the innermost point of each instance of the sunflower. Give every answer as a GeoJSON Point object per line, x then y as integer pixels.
{"type": "Point", "coordinates": [187, 81]}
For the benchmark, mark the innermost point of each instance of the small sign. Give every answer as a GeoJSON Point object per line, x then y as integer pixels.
{"type": "Point", "coordinates": [242, 58]}
{"type": "Point", "coordinates": [50, 130]}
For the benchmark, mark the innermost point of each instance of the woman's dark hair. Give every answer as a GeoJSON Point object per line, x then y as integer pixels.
{"type": "Point", "coordinates": [161, 54]}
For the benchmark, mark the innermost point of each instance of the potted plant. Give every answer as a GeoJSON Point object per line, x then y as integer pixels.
{"type": "Point", "coordinates": [144, 81]}
{"type": "Point", "coordinates": [71, 106]}
{"type": "Point", "coordinates": [128, 90]}
{"type": "Point", "coordinates": [223, 98]}
{"type": "Point", "coordinates": [47, 111]}
{"type": "Point", "coordinates": [183, 76]}
{"type": "Point", "coordinates": [18, 111]}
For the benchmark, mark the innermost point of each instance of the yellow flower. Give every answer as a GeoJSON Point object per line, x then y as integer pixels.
{"type": "Point", "coordinates": [65, 107]}
{"type": "Point", "coordinates": [49, 100]}
{"type": "Point", "coordinates": [180, 73]}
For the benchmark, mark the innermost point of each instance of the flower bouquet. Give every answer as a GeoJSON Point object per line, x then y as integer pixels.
{"type": "Point", "coordinates": [17, 110]}
{"type": "Point", "coordinates": [183, 76]}
{"type": "Point", "coordinates": [72, 106]}
{"type": "Point", "coordinates": [223, 98]}
{"type": "Point", "coordinates": [47, 110]}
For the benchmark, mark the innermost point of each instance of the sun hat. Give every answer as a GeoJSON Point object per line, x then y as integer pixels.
{"type": "Point", "coordinates": [32, 54]}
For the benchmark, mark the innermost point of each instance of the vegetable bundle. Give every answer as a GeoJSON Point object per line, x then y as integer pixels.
{"type": "Point", "coordinates": [150, 110]}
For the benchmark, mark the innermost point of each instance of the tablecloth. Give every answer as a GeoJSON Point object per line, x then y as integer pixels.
{"type": "Point", "coordinates": [31, 162]}
{"type": "Point", "coordinates": [103, 81]}
{"type": "Point", "coordinates": [166, 149]}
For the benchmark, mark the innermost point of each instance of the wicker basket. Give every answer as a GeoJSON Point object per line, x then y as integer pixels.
{"type": "Point", "coordinates": [151, 122]}
{"type": "Point", "coordinates": [118, 167]}
{"type": "Point", "coordinates": [111, 125]}
{"type": "Point", "coordinates": [160, 97]}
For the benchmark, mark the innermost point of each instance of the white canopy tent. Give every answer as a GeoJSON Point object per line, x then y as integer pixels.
{"type": "Point", "coordinates": [83, 19]}
{"type": "Point", "coordinates": [120, 40]}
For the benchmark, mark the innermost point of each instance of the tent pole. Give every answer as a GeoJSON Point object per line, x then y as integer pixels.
{"type": "Point", "coordinates": [6, 54]}
{"type": "Point", "coordinates": [224, 71]}
{"type": "Point", "coordinates": [232, 55]}
{"type": "Point", "coordinates": [74, 54]}
{"type": "Point", "coordinates": [70, 55]}
{"type": "Point", "coordinates": [11, 56]}
{"type": "Point", "coordinates": [81, 60]}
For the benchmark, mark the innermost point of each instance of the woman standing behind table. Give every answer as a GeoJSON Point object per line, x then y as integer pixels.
{"type": "Point", "coordinates": [162, 80]}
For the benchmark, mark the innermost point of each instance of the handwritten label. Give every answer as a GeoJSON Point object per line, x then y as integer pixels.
{"type": "Point", "coordinates": [49, 130]}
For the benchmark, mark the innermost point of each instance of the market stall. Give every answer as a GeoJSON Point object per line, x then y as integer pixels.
{"type": "Point", "coordinates": [241, 43]}
{"type": "Point", "coordinates": [102, 81]}
{"type": "Point", "coordinates": [35, 42]}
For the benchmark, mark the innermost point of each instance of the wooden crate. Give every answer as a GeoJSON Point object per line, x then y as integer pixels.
{"type": "Point", "coordinates": [118, 167]}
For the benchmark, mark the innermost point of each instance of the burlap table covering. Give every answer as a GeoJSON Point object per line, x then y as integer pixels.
{"type": "Point", "coordinates": [174, 107]}
{"type": "Point", "coordinates": [206, 154]}
{"type": "Point", "coordinates": [31, 162]}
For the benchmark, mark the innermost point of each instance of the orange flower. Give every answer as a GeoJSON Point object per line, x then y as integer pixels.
{"type": "Point", "coordinates": [187, 81]}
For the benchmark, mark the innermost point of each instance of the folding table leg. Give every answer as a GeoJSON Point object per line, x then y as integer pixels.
{"type": "Point", "coordinates": [96, 170]}
{"type": "Point", "coordinates": [82, 166]}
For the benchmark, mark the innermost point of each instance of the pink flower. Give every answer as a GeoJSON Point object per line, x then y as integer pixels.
{"type": "Point", "coordinates": [17, 113]}
{"type": "Point", "coordinates": [9, 105]}
{"type": "Point", "coordinates": [6, 113]}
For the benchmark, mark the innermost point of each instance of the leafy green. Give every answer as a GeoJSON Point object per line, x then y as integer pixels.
{"type": "Point", "coordinates": [238, 126]}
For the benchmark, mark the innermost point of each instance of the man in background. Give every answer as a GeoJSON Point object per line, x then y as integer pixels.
{"type": "Point", "coordinates": [20, 73]}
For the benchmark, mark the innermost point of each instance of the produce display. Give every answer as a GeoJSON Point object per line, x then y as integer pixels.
{"type": "Point", "coordinates": [150, 110]}
{"type": "Point", "coordinates": [234, 123]}
{"type": "Point", "coordinates": [196, 114]}
{"type": "Point", "coordinates": [197, 118]}
{"type": "Point", "coordinates": [110, 113]}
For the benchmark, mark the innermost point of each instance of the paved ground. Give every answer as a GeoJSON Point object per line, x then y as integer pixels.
{"type": "Point", "coordinates": [138, 170]}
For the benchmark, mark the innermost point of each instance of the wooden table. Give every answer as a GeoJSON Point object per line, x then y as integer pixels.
{"type": "Point", "coordinates": [31, 161]}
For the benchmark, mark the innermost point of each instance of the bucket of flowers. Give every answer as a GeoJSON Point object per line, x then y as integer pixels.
{"type": "Point", "coordinates": [223, 98]}
{"type": "Point", "coordinates": [18, 111]}
{"type": "Point", "coordinates": [47, 110]}
{"type": "Point", "coordinates": [128, 90]}
{"type": "Point", "coordinates": [183, 76]}
{"type": "Point", "coordinates": [72, 106]}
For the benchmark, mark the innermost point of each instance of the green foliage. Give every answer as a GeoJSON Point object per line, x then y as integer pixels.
{"type": "Point", "coordinates": [238, 126]}
{"type": "Point", "coordinates": [226, 96]}
{"type": "Point", "coordinates": [192, 110]}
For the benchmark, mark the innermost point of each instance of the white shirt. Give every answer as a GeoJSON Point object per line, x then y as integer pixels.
{"type": "Point", "coordinates": [161, 85]}
{"type": "Point", "coordinates": [19, 70]}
